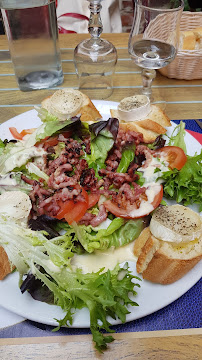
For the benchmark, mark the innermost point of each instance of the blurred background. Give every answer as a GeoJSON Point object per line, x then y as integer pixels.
{"type": "Point", "coordinates": [126, 11]}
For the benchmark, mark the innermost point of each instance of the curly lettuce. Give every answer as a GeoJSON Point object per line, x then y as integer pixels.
{"type": "Point", "coordinates": [185, 185]}
{"type": "Point", "coordinates": [103, 293]}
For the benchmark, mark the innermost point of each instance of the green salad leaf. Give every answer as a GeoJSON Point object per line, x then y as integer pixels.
{"type": "Point", "coordinates": [103, 293]}
{"type": "Point", "coordinates": [100, 146]}
{"type": "Point", "coordinates": [118, 233]}
{"type": "Point", "coordinates": [15, 183]}
{"type": "Point", "coordinates": [127, 157]}
{"type": "Point", "coordinates": [177, 137]}
{"type": "Point", "coordinates": [185, 185]}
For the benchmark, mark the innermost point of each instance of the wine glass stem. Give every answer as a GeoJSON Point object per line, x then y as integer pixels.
{"type": "Point", "coordinates": [147, 77]}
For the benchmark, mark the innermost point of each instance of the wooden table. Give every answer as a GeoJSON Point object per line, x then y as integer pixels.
{"type": "Point", "coordinates": [181, 100]}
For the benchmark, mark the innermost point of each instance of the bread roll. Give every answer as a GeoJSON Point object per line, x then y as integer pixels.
{"type": "Point", "coordinates": [187, 40]}
{"type": "Point", "coordinates": [198, 34]}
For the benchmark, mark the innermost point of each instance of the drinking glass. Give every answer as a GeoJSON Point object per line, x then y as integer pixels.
{"type": "Point", "coordinates": [154, 36]}
{"type": "Point", "coordinates": [95, 58]}
{"type": "Point", "coordinates": [32, 32]}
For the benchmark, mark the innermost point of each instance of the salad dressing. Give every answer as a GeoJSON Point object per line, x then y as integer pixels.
{"type": "Point", "coordinates": [107, 259]}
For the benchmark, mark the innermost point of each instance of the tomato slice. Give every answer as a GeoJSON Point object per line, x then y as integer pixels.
{"type": "Point", "coordinates": [131, 212]}
{"type": "Point", "coordinates": [174, 155]}
{"type": "Point", "coordinates": [19, 136]}
{"type": "Point", "coordinates": [15, 133]}
{"type": "Point", "coordinates": [72, 211]}
{"type": "Point", "coordinates": [77, 212]}
{"type": "Point", "coordinates": [65, 207]}
{"type": "Point", "coordinates": [66, 133]}
{"type": "Point", "coordinates": [52, 141]}
{"type": "Point", "coordinates": [27, 131]}
{"type": "Point", "coordinates": [92, 199]}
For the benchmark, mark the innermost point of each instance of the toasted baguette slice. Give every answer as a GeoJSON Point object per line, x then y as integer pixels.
{"type": "Point", "coordinates": [5, 266]}
{"type": "Point", "coordinates": [73, 103]}
{"type": "Point", "coordinates": [151, 127]}
{"type": "Point", "coordinates": [162, 262]}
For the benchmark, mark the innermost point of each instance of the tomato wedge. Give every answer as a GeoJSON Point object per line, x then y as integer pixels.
{"type": "Point", "coordinates": [15, 133]}
{"type": "Point", "coordinates": [71, 211]}
{"type": "Point", "coordinates": [27, 131]}
{"type": "Point", "coordinates": [65, 207]}
{"type": "Point", "coordinates": [48, 141]}
{"type": "Point", "coordinates": [174, 155]}
{"type": "Point", "coordinates": [92, 199]}
{"type": "Point", "coordinates": [19, 136]}
{"type": "Point", "coordinates": [131, 212]}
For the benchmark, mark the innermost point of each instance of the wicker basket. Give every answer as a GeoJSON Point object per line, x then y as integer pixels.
{"type": "Point", "coordinates": [188, 63]}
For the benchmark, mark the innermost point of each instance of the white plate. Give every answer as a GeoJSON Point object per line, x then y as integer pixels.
{"type": "Point", "coordinates": [151, 297]}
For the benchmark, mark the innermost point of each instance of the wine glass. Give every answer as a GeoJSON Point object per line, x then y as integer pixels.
{"type": "Point", "coordinates": [95, 58]}
{"type": "Point", "coordinates": [154, 36]}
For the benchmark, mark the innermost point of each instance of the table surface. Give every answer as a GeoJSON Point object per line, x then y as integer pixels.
{"type": "Point", "coordinates": [180, 99]}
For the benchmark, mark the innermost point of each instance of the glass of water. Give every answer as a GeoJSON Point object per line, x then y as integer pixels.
{"type": "Point", "coordinates": [32, 32]}
{"type": "Point", "coordinates": [154, 36]}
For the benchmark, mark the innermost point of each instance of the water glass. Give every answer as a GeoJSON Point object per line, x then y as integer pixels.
{"type": "Point", "coordinates": [32, 32]}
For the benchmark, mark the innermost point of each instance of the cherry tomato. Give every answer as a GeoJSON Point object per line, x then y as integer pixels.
{"type": "Point", "coordinates": [174, 155]}
{"type": "Point", "coordinates": [131, 212]}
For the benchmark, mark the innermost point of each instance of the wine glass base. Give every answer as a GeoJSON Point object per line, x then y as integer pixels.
{"type": "Point", "coordinates": [95, 61]}
{"type": "Point", "coordinates": [96, 90]}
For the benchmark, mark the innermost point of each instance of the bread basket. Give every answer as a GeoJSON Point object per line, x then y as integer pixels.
{"type": "Point", "coordinates": [188, 63]}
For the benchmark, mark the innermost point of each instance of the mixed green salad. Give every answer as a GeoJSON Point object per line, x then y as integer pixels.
{"type": "Point", "coordinates": [86, 188]}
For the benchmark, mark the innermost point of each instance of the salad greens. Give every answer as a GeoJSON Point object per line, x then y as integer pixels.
{"type": "Point", "coordinates": [177, 137]}
{"type": "Point", "coordinates": [185, 185]}
{"type": "Point", "coordinates": [46, 255]}
{"type": "Point", "coordinates": [118, 233]}
{"type": "Point", "coordinates": [127, 157]}
{"type": "Point", "coordinates": [104, 294]}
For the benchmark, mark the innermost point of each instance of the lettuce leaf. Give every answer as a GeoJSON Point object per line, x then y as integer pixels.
{"type": "Point", "coordinates": [103, 136]}
{"type": "Point", "coordinates": [127, 157]}
{"type": "Point", "coordinates": [46, 129]}
{"type": "Point", "coordinates": [13, 182]}
{"type": "Point", "coordinates": [104, 294]}
{"type": "Point", "coordinates": [16, 154]}
{"type": "Point", "coordinates": [185, 185]}
{"type": "Point", "coordinates": [118, 233]}
{"type": "Point", "coordinates": [177, 137]}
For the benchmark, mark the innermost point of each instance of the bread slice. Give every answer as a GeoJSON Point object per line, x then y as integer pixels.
{"type": "Point", "coordinates": [187, 40]}
{"type": "Point", "coordinates": [162, 262]}
{"type": "Point", "coordinates": [151, 127]}
{"type": "Point", "coordinates": [65, 103]}
{"type": "Point", "coordinates": [88, 111]}
{"type": "Point", "coordinates": [198, 34]}
{"type": "Point", "coordinates": [5, 266]}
